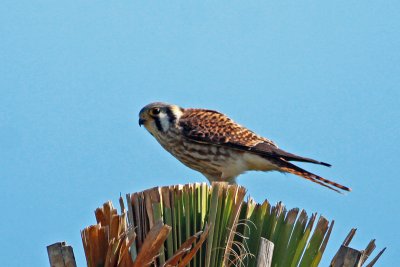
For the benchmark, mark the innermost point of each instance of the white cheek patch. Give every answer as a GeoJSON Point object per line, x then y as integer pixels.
{"type": "Point", "coordinates": [164, 120]}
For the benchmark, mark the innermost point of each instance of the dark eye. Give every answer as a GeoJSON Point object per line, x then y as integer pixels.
{"type": "Point", "coordinates": [154, 111]}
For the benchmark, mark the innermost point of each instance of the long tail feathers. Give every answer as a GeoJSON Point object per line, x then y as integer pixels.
{"type": "Point", "coordinates": [291, 168]}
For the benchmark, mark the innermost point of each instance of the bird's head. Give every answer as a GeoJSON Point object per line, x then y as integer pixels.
{"type": "Point", "coordinates": [158, 117]}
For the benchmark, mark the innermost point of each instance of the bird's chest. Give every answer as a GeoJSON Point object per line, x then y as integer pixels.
{"type": "Point", "coordinates": [205, 158]}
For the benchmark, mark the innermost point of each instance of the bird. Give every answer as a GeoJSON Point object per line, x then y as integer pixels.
{"type": "Point", "coordinates": [213, 144]}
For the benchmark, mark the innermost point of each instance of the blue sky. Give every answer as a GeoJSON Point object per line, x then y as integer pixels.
{"type": "Point", "coordinates": [320, 79]}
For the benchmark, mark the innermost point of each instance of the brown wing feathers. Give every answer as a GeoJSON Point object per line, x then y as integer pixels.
{"type": "Point", "coordinates": [210, 126]}
{"type": "Point", "coordinates": [213, 127]}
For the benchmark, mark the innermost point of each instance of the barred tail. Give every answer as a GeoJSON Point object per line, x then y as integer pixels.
{"type": "Point", "coordinates": [291, 168]}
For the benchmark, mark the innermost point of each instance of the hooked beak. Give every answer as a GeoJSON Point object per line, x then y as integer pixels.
{"type": "Point", "coordinates": [141, 122]}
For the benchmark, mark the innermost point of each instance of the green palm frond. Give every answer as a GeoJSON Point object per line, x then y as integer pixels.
{"type": "Point", "coordinates": [201, 225]}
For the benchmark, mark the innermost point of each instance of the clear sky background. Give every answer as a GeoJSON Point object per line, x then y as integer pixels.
{"type": "Point", "coordinates": [320, 79]}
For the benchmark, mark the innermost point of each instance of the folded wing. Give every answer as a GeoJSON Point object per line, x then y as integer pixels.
{"type": "Point", "coordinates": [212, 127]}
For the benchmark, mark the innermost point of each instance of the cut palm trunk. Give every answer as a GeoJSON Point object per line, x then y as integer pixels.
{"type": "Point", "coordinates": [199, 225]}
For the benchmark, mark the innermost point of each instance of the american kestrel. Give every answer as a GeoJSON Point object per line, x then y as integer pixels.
{"type": "Point", "coordinates": [213, 144]}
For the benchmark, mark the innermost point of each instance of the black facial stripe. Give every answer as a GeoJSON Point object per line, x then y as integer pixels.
{"type": "Point", "coordinates": [158, 124]}
{"type": "Point", "coordinates": [171, 116]}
